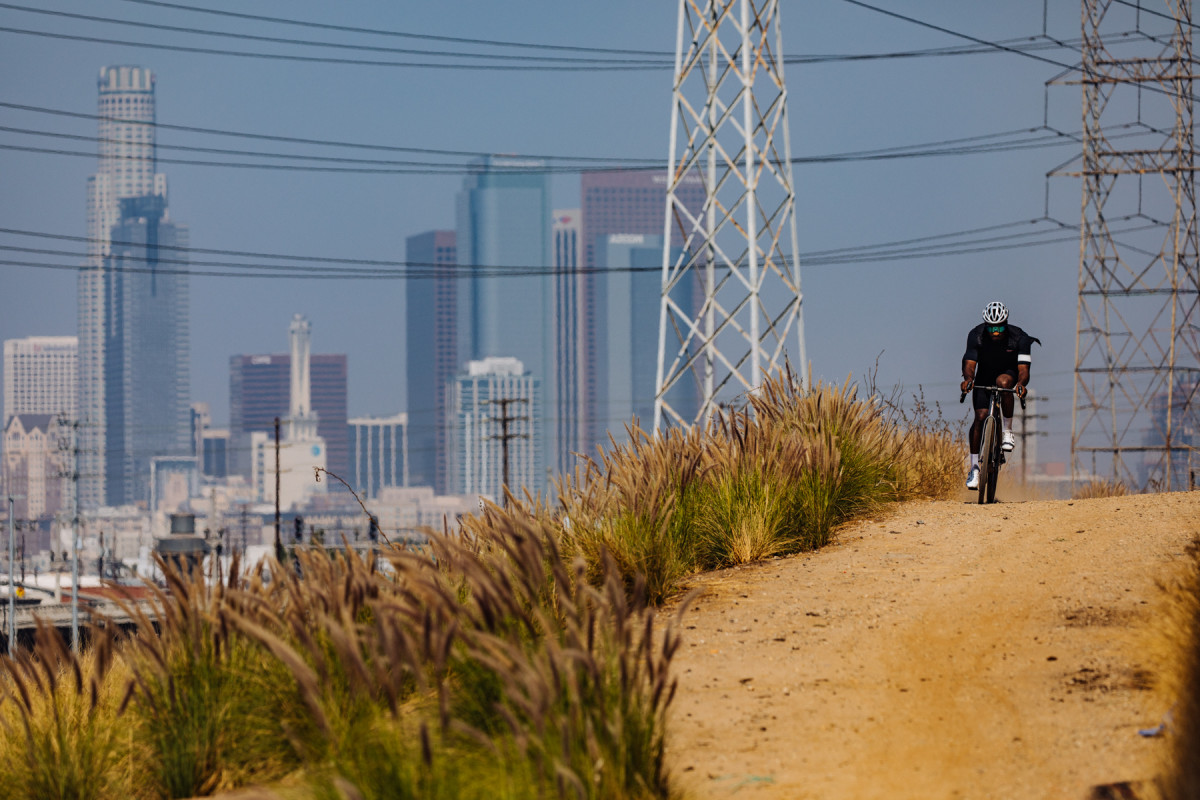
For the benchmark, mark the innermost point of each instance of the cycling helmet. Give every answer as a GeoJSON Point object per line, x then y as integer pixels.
{"type": "Point", "coordinates": [995, 313]}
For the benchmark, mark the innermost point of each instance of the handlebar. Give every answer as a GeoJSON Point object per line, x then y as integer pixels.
{"type": "Point", "coordinates": [963, 396]}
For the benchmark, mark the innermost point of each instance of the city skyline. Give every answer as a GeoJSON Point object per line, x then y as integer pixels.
{"type": "Point", "coordinates": [838, 106]}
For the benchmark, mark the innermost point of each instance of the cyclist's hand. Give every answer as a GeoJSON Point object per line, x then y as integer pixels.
{"type": "Point", "coordinates": [965, 386]}
{"type": "Point", "coordinates": [1021, 391]}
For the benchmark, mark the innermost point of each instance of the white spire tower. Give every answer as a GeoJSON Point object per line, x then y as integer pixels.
{"type": "Point", "coordinates": [302, 449]}
{"type": "Point", "coordinates": [302, 421]}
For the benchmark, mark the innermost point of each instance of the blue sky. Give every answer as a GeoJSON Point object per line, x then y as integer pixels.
{"type": "Point", "coordinates": [911, 314]}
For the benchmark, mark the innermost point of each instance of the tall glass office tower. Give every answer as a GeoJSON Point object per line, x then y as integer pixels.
{"type": "Point", "coordinates": [126, 169]}
{"type": "Point", "coordinates": [145, 353]}
{"type": "Point", "coordinates": [431, 322]}
{"type": "Point", "coordinates": [506, 307]}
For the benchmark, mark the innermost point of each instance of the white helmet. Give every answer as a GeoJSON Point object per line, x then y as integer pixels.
{"type": "Point", "coordinates": [995, 313]}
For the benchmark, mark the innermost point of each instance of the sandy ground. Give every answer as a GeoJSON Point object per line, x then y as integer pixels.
{"type": "Point", "coordinates": [943, 650]}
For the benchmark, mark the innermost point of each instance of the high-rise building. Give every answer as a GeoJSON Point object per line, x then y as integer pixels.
{"type": "Point", "coordinates": [506, 306]}
{"type": "Point", "coordinates": [431, 324]}
{"type": "Point", "coordinates": [613, 202]}
{"type": "Point", "coordinates": [260, 391]}
{"type": "Point", "coordinates": [496, 405]}
{"type": "Point", "coordinates": [126, 169]}
{"type": "Point", "coordinates": [145, 354]}
{"type": "Point", "coordinates": [627, 304]}
{"type": "Point", "coordinates": [41, 375]}
{"type": "Point", "coordinates": [378, 454]}
{"type": "Point", "coordinates": [568, 295]}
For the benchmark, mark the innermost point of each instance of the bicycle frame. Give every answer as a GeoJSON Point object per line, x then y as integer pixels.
{"type": "Point", "coordinates": [991, 454]}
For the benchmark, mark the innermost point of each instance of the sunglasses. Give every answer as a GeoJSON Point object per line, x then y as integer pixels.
{"type": "Point", "coordinates": [996, 328]}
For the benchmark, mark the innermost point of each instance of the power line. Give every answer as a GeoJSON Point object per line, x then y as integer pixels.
{"type": "Point", "coordinates": [1053, 138]}
{"type": "Point", "coordinates": [361, 62]}
{"type": "Point", "coordinates": [1143, 10]}
{"type": "Point", "coordinates": [967, 145]}
{"type": "Point", "coordinates": [662, 58]}
{"type": "Point", "coordinates": [302, 140]}
{"type": "Point", "coordinates": [464, 272]}
{"type": "Point", "coordinates": [819, 257]}
{"type": "Point", "coordinates": [381, 32]}
{"type": "Point", "coordinates": [1029, 42]}
{"type": "Point", "coordinates": [1006, 48]}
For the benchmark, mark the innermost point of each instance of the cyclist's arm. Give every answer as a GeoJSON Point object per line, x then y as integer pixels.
{"type": "Point", "coordinates": [1024, 361]}
{"type": "Point", "coordinates": [968, 373]}
{"type": "Point", "coordinates": [970, 361]}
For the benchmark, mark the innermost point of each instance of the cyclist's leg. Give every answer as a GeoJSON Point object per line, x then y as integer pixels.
{"type": "Point", "coordinates": [1007, 380]}
{"type": "Point", "coordinates": [979, 400]}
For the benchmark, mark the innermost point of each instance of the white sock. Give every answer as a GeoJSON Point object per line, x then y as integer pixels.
{"type": "Point", "coordinates": [974, 460]}
{"type": "Point", "coordinates": [1008, 423]}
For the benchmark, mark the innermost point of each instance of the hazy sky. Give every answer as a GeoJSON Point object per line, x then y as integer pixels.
{"type": "Point", "coordinates": [912, 313]}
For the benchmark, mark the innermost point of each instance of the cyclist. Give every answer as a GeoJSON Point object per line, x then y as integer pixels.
{"type": "Point", "coordinates": [997, 354]}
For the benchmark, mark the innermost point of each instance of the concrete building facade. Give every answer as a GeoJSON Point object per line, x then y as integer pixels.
{"type": "Point", "coordinates": [34, 466]}
{"type": "Point", "coordinates": [378, 454]}
{"type": "Point", "coordinates": [41, 375]}
{"type": "Point", "coordinates": [484, 394]}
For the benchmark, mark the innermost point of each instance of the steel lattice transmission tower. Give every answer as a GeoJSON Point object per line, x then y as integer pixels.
{"type": "Point", "coordinates": [1137, 352]}
{"type": "Point", "coordinates": [731, 300]}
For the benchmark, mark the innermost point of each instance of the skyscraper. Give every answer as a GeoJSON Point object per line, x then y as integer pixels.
{"type": "Point", "coordinates": [479, 436]}
{"type": "Point", "coordinates": [126, 169]}
{"type": "Point", "coordinates": [431, 324]}
{"type": "Point", "coordinates": [41, 375]}
{"type": "Point", "coordinates": [145, 355]}
{"type": "Point", "coordinates": [568, 295]}
{"type": "Point", "coordinates": [260, 391]}
{"type": "Point", "coordinates": [623, 202]}
{"type": "Point", "coordinates": [627, 302]}
{"type": "Point", "coordinates": [506, 306]}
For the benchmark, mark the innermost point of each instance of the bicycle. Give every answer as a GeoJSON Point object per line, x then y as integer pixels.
{"type": "Point", "coordinates": [991, 454]}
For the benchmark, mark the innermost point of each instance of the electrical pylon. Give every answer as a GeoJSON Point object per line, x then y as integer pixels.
{"type": "Point", "coordinates": [731, 303]}
{"type": "Point", "coordinates": [1137, 353]}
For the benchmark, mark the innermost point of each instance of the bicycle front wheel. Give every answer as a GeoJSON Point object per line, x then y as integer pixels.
{"type": "Point", "coordinates": [986, 443]}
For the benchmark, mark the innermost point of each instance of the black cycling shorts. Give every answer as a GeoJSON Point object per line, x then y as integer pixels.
{"type": "Point", "coordinates": [979, 397]}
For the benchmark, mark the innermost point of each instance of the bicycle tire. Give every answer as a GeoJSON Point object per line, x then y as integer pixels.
{"type": "Point", "coordinates": [994, 470]}
{"type": "Point", "coordinates": [985, 458]}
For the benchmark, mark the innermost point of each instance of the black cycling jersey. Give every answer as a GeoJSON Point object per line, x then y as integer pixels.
{"type": "Point", "coordinates": [997, 357]}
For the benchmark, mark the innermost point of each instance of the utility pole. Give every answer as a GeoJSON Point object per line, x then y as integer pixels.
{"type": "Point", "coordinates": [244, 512]}
{"type": "Point", "coordinates": [278, 538]}
{"type": "Point", "coordinates": [1025, 432]}
{"type": "Point", "coordinates": [12, 590]}
{"type": "Point", "coordinates": [72, 447]}
{"type": "Point", "coordinates": [505, 435]}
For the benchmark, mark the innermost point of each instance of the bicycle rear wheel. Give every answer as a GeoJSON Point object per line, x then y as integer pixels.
{"type": "Point", "coordinates": [986, 444]}
{"type": "Point", "coordinates": [993, 471]}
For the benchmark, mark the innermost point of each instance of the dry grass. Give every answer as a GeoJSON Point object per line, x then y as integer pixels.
{"type": "Point", "coordinates": [59, 737]}
{"type": "Point", "coordinates": [774, 478]}
{"type": "Point", "coordinates": [1175, 645]}
{"type": "Point", "coordinates": [516, 659]}
{"type": "Point", "coordinates": [1100, 487]}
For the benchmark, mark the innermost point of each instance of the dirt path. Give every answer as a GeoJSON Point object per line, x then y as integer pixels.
{"type": "Point", "coordinates": [946, 650]}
